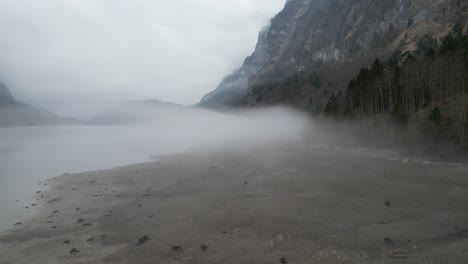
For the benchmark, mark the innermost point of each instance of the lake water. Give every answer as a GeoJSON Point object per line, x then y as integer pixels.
{"type": "Point", "coordinates": [32, 154]}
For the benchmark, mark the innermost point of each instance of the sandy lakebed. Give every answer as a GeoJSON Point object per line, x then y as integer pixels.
{"type": "Point", "coordinates": [289, 203]}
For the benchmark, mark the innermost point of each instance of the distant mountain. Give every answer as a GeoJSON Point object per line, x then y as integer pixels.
{"type": "Point", "coordinates": [134, 113]}
{"type": "Point", "coordinates": [5, 96]}
{"type": "Point", "coordinates": [13, 113]}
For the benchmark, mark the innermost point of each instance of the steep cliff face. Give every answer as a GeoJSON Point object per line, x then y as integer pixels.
{"type": "Point", "coordinates": [233, 88]}
{"type": "Point", "coordinates": [313, 48]}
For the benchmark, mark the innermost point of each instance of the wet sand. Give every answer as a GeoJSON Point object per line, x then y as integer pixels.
{"type": "Point", "coordinates": [275, 204]}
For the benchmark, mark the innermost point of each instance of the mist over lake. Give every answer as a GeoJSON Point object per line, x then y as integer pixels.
{"type": "Point", "coordinates": [32, 154]}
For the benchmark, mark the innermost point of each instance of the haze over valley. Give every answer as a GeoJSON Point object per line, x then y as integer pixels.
{"type": "Point", "coordinates": [250, 131]}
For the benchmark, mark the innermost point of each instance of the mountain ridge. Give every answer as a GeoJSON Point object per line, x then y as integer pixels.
{"type": "Point", "coordinates": [318, 46]}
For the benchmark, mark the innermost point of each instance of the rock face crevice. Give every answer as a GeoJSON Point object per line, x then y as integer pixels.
{"type": "Point", "coordinates": [313, 48]}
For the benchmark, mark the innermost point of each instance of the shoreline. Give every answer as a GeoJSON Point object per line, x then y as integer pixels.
{"type": "Point", "coordinates": [250, 205]}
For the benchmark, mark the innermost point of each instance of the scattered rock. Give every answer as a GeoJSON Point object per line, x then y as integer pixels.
{"type": "Point", "coordinates": [90, 239]}
{"type": "Point", "coordinates": [54, 200]}
{"type": "Point", "coordinates": [66, 242]}
{"type": "Point", "coordinates": [87, 224]}
{"type": "Point", "coordinates": [143, 240]}
{"type": "Point", "coordinates": [150, 216]}
{"type": "Point", "coordinates": [246, 182]}
{"type": "Point", "coordinates": [388, 240]}
{"type": "Point", "coordinates": [399, 254]}
{"type": "Point", "coordinates": [283, 260]}
{"type": "Point", "coordinates": [203, 247]}
{"type": "Point", "coordinates": [74, 251]}
{"type": "Point", "coordinates": [176, 248]}
{"type": "Point", "coordinates": [56, 212]}
{"type": "Point", "coordinates": [33, 204]}
{"type": "Point", "coordinates": [388, 203]}
{"type": "Point", "coordinates": [18, 223]}
{"type": "Point", "coordinates": [107, 215]}
{"type": "Point", "coordinates": [92, 182]}
{"type": "Point", "coordinates": [81, 220]}
{"type": "Point", "coordinates": [38, 192]}
{"type": "Point", "coordinates": [77, 209]}
{"type": "Point", "coordinates": [49, 222]}
{"type": "Point", "coordinates": [54, 227]}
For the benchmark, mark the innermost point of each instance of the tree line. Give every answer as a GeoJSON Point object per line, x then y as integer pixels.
{"type": "Point", "coordinates": [427, 88]}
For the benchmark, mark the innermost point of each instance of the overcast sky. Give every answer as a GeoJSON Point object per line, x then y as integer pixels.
{"type": "Point", "coordinates": [77, 56]}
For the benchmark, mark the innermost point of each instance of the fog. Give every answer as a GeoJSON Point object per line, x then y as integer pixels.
{"type": "Point", "coordinates": [130, 134]}
{"type": "Point", "coordinates": [76, 58]}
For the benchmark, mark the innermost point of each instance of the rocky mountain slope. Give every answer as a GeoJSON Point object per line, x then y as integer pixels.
{"type": "Point", "coordinates": [313, 48]}
{"type": "Point", "coordinates": [13, 113]}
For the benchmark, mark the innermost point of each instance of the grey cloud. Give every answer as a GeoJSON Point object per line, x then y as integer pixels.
{"type": "Point", "coordinates": [72, 56]}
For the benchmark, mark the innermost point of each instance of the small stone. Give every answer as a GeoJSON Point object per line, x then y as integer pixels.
{"type": "Point", "coordinates": [18, 223]}
{"type": "Point", "coordinates": [90, 239]}
{"type": "Point", "coordinates": [176, 248]}
{"type": "Point", "coordinates": [283, 260]}
{"type": "Point", "coordinates": [388, 203]}
{"type": "Point", "coordinates": [203, 247]}
{"type": "Point", "coordinates": [86, 224]}
{"type": "Point", "coordinates": [74, 251]}
{"type": "Point", "coordinates": [66, 242]}
{"type": "Point", "coordinates": [388, 240]}
{"type": "Point", "coordinates": [81, 220]}
{"type": "Point", "coordinates": [143, 240]}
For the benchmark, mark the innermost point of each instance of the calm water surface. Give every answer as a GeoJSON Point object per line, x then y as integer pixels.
{"type": "Point", "coordinates": [32, 154]}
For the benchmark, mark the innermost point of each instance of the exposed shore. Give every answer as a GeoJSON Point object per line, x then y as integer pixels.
{"type": "Point", "coordinates": [252, 205]}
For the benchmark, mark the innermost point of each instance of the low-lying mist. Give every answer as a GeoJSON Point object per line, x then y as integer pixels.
{"type": "Point", "coordinates": [192, 126]}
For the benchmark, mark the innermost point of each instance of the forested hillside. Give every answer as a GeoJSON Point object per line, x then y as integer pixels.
{"type": "Point", "coordinates": [426, 90]}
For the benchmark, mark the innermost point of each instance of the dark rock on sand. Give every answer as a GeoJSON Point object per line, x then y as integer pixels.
{"type": "Point", "coordinates": [90, 239]}
{"type": "Point", "coordinates": [176, 248]}
{"type": "Point", "coordinates": [86, 224]}
{"type": "Point", "coordinates": [81, 220]}
{"type": "Point", "coordinates": [66, 242]}
{"type": "Point", "coordinates": [388, 240]}
{"type": "Point", "coordinates": [388, 203]}
{"type": "Point", "coordinates": [203, 247]}
{"type": "Point", "coordinates": [283, 260]}
{"type": "Point", "coordinates": [74, 251]}
{"type": "Point", "coordinates": [18, 223]}
{"type": "Point", "coordinates": [143, 240]}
